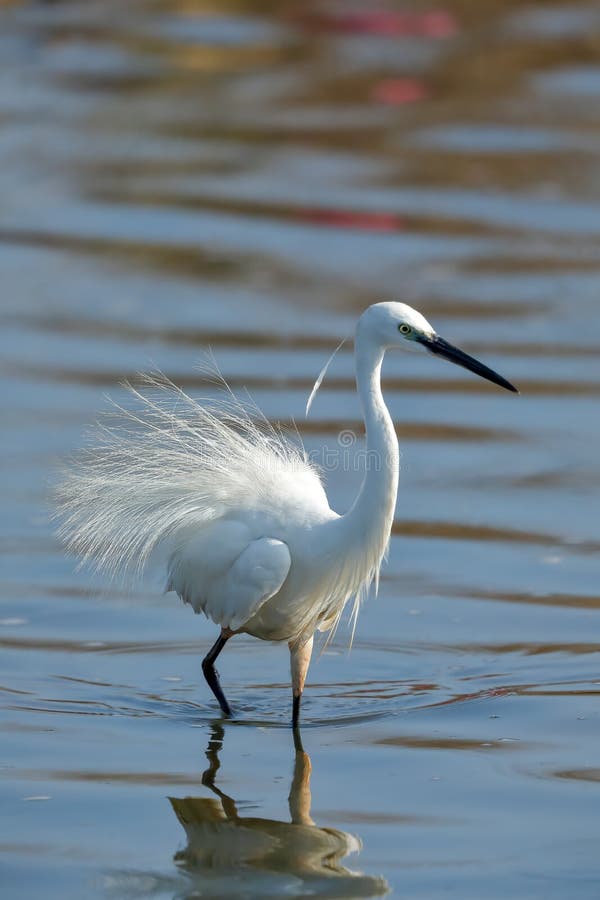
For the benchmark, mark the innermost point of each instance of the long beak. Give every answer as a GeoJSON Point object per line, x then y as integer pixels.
{"type": "Point", "coordinates": [440, 347]}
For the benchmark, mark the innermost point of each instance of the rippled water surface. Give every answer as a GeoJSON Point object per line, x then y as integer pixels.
{"type": "Point", "coordinates": [248, 176]}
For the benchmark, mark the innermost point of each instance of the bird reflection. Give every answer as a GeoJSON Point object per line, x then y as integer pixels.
{"type": "Point", "coordinates": [255, 856]}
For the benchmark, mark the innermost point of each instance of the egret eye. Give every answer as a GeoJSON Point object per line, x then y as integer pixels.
{"type": "Point", "coordinates": [404, 329]}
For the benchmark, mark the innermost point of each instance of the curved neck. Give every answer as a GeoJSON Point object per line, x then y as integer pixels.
{"type": "Point", "coordinates": [373, 509]}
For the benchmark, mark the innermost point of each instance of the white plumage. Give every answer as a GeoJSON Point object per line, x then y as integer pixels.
{"type": "Point", "coordinates": [221, 497]}
{"type": "Point", "coordinates": [233, 508]}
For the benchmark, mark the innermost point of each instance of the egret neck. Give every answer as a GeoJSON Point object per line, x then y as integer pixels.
{"type": "Point", "coordinates": [370, 517]}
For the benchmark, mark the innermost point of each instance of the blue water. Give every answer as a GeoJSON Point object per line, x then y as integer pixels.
{"type": "Point", "coordinates": [175, 177]}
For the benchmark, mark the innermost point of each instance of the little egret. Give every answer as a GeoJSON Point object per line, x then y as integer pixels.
{"type": "Point", "coordinates": [236, 512]}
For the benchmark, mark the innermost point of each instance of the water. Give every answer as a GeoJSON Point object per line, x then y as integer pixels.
{"type": "Point", "coordinates": [249, 176]}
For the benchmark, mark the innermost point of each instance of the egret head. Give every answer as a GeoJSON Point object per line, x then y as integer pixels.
{"type": "Point", "coordinates": [396, 325]}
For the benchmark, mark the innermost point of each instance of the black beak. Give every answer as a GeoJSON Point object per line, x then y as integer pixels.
{"type": "Point", "coordinates": [442, 348]}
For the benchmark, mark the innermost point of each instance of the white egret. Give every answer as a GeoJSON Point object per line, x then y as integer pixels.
{"type": "Point", "coordinates": [236, 510]}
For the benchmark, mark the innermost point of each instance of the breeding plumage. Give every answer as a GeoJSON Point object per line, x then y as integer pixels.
{"type": "Point", "coordinates": [233, 509]}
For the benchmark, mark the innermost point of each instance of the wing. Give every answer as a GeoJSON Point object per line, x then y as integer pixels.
{"type": "Point", "coordinates": [228, 576]}
{"type": "Point", "coordinates": [256, 575]}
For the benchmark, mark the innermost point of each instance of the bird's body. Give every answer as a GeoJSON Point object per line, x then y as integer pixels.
{"type": "Point", "coordinates": [236, 511]}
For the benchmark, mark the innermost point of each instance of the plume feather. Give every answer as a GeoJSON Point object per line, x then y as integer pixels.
{"type": "Point", "coordinates": [321, 376]}
{"type": "Point", "coordinates": [168, 465]}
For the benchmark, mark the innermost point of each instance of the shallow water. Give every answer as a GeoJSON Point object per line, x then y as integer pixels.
{"type": "Point", "coordinates": [248, 176]}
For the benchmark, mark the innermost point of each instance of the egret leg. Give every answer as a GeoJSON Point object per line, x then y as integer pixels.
{"type": "Point", "coordinates": [211, 674]}
{"type": "Point", "coordinates": [300, 660]}
{"type": "Point", "coordinates": [296, 699]}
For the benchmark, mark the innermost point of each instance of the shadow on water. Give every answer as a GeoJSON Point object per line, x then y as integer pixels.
{"type": "Point", "coordinates": [231, 854]}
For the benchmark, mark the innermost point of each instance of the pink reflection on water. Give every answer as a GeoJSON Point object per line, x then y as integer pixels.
{"type": "Point", "coordinates": [435, 23]}
{"type": "Point", "coordinates": [396, 91]}
{"type": "Point", "coordinates": [342, 218]}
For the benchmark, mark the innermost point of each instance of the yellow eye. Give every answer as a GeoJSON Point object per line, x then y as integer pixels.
{"type": "Point", "coordinates": [404, 329]}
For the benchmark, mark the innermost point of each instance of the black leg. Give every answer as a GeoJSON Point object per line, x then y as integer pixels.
{"type": "Point", "coordinates": [211, 674]}
{"type": "Point", "coordinates": [296, 711]}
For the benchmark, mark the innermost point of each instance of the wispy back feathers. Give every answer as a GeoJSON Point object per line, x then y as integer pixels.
{"type": "Point", "coordinates": [167, 464]}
